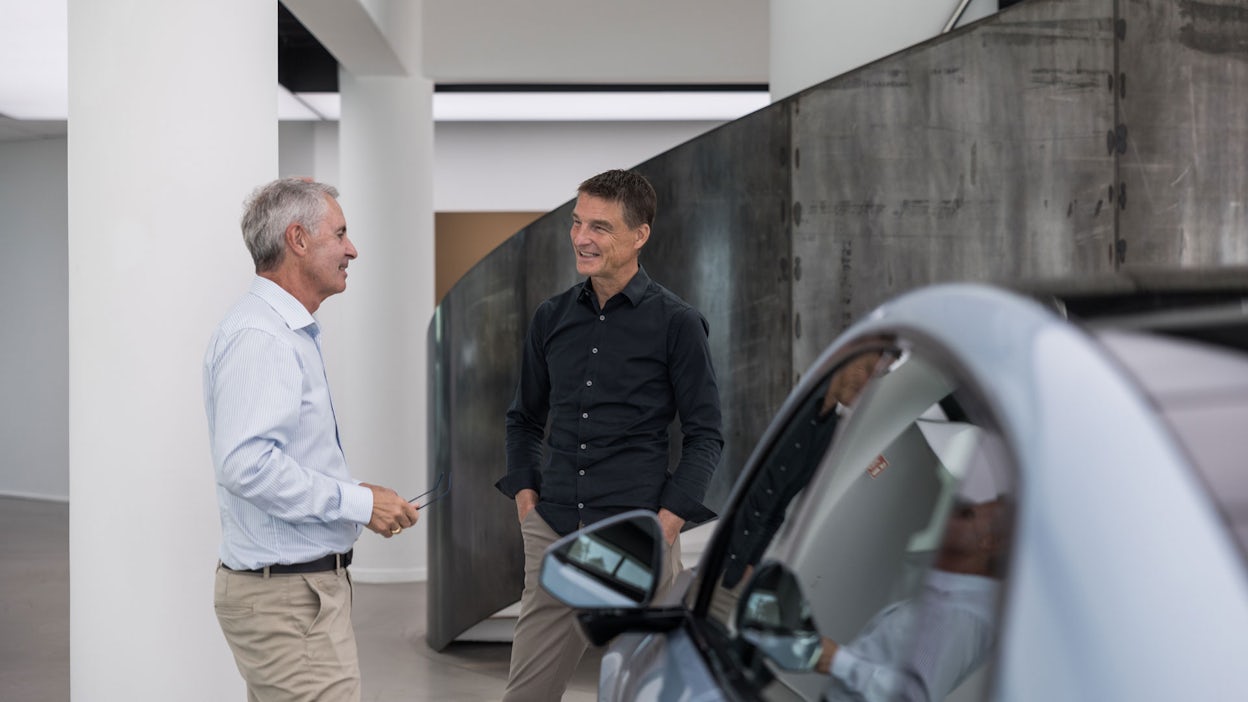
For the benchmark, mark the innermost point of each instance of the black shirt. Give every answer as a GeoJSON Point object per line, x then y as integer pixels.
{"type": "Point", "coordinates": [611, 381]}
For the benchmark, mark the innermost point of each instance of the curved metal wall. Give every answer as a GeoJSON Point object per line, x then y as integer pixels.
{"type": "Point", "coordinates": [998, 152]}
{"type": "Point", "coordinates": [976, 156]}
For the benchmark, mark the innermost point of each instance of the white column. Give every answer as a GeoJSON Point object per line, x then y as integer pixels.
{"type": "Point", "coordinates": [814, 40]}
{"type": "Point", "coordinates": [172, 121]}
{"type": "Point", "coordinates": [375, 332]}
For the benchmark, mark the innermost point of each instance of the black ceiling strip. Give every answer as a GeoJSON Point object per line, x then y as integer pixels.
{"type": "Point", "coordinates": [598, 87]}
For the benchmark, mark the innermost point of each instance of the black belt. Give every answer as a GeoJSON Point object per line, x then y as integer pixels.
{"type": "Point", "coordinates": [320, 565]}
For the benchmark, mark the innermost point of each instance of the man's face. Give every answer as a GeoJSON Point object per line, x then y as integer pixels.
{"type": "Point", "coordinates": [605, 246]}
{"type": "Point", "coordinates": [330, 250]}
{"type": "Point", "coordinates": [973, 529]}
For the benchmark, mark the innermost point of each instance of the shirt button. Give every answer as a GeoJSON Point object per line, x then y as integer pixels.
{"type": "Point", "coordinates": [594, 350]}
{"type": "Point", "coordinates": [602, 318]}
{"type": "Point", "coordinates": [582, 446]}
{"type": "Point", "coordinates": [585, 415]}
{"type": "Point", "coordinates": [580, 505]}
{"type": "Point", "coordinates": [588, 383]}
{"type": "Point", "coordinates": [582, 472]}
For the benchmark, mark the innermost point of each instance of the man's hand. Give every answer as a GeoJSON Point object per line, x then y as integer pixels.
{"type": "Point", "coordinates": [526, 500]}
{"type": "Point", "coordinates": [391, 513]}
{"type": "Point", "coordinates": [823, 664]}
{"type": "Point", "coordinates": [671, 525]}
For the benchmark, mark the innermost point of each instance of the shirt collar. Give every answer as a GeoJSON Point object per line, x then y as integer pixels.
{"type": "Point", "coordinates": [633, 292]}
{"type": "Point", "coordinates": [287, 307]}
{"type": "Point", "coordinates": [636, 287]}
{"type": "Point", "coordinates": [975, 585]}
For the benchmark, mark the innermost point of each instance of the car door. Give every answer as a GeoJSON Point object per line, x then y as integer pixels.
{"type": "Point", "coordinates": [863, 555]}
{"type": "Point", "coordinates": [966, 498]}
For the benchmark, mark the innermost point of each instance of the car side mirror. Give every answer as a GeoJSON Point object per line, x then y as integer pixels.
{"type": "Point", "coordinates": [612, 564]}
{"type": "Point", "coordinates": [774, 617]}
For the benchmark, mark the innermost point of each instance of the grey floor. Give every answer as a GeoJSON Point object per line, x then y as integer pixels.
{"type": "Point", "coordinates": [395, 660]}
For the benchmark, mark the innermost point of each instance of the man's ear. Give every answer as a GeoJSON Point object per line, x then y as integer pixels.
{"type": "Point", "coordinates": [296, 238]}
{"type": "Point", "coordinates": [643, 235]}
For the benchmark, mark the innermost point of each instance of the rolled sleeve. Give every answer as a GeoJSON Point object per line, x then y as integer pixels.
{"type": "Point", "coordinates": [515, 481]}
{"type": "Point", "coordinates": [676, 501]}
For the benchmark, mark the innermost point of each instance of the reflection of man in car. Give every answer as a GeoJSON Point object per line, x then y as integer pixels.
{"type": "Point", "coordinates": [923, 647]}
{"type": "Point", "coordinates": [797, 455]}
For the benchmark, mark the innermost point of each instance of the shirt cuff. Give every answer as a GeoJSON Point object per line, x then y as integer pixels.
{"type": "Point", "coordinates": [843, 663]}
{"type": "Point", "coordinates": [678, 502]}
{"type": "Point", "coordinates": [357, 503]}
{"type": "Point", "coordinates": [518, 480]}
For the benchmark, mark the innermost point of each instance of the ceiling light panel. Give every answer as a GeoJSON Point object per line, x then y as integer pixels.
{"type": "Point", "coordinates": [591, 106]}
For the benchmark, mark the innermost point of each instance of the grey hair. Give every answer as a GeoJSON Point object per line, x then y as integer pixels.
{"type": "Point", "coordinates": [273, 207]}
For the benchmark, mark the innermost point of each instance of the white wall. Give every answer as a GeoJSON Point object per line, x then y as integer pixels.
{"type": "Point", "coordinates": [308, 149]}
{"type": "Point", "coordinates": [34, 313]}
{"type": "Point", "coordinates": [503, 166]}
{"type": "Point", "coordinates": [814, 40]}
{"type": "Point", "coordinates": [536, 166]}
{"type": "Point", "coordinates": [574, 41]}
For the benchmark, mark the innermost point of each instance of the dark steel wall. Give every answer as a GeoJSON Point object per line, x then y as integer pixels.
{"type": "Point", "coordinates": [1183, 105]}
{"type": "Point", "coordinates": [1059, 137]}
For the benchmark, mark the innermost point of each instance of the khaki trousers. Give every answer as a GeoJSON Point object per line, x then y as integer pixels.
{"type": "Point", "coordinates": [548, 644]}
{"type": "Point", "coordinates": [290, 634]}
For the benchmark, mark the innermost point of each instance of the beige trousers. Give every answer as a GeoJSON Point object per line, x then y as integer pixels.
{"type": "Point", "coordinates": [291, 634]}
{"type": "Point", "coordinates": [548, 644]}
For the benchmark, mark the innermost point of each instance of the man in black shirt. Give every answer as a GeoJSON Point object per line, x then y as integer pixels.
{"type": "Point", "coordinates": [610, 362]}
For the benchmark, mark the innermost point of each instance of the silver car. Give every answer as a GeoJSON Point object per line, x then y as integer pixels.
{"type": "Point", "coordinates": [973, 494]}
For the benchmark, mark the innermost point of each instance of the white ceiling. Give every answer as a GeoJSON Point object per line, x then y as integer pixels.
{"type": "Point", "coordinates": [702, 42]}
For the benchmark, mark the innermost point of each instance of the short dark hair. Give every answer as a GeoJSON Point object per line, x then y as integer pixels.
{"type": "Point", "coordinates": [629, 189]}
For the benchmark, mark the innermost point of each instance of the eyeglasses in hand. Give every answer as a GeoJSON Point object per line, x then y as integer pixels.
{"type": "Point", "coordinates": [434, 491]}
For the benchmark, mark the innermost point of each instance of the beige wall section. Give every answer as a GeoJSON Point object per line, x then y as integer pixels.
{"type": "Point", "coordinates": [463, 238]}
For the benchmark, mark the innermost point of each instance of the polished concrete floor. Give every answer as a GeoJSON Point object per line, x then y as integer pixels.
{"type": "Point", "coordinates": [395, 661]}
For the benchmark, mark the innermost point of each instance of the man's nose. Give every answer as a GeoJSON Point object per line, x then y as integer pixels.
{"type": "Point", "coordinates": [351, 252]}
{"type": "Point", "coordinates": [580, 234]}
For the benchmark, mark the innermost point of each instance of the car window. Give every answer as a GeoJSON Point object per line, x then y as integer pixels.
{"type": "Point", "coordinates": [871, 539]}
{"type": "Point", "coordinates": [1201, 390]}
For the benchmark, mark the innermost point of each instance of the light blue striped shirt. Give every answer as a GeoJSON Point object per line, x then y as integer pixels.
{"type": "Point", "coordinates": [283, 486]}
{"type": "Point", "coordinates": [924, 647]}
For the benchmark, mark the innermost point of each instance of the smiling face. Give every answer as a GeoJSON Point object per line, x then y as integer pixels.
{"type": "Point", "coordinates": [328, 254]}
{"type": "Point", "coordinates": [606, 247]}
